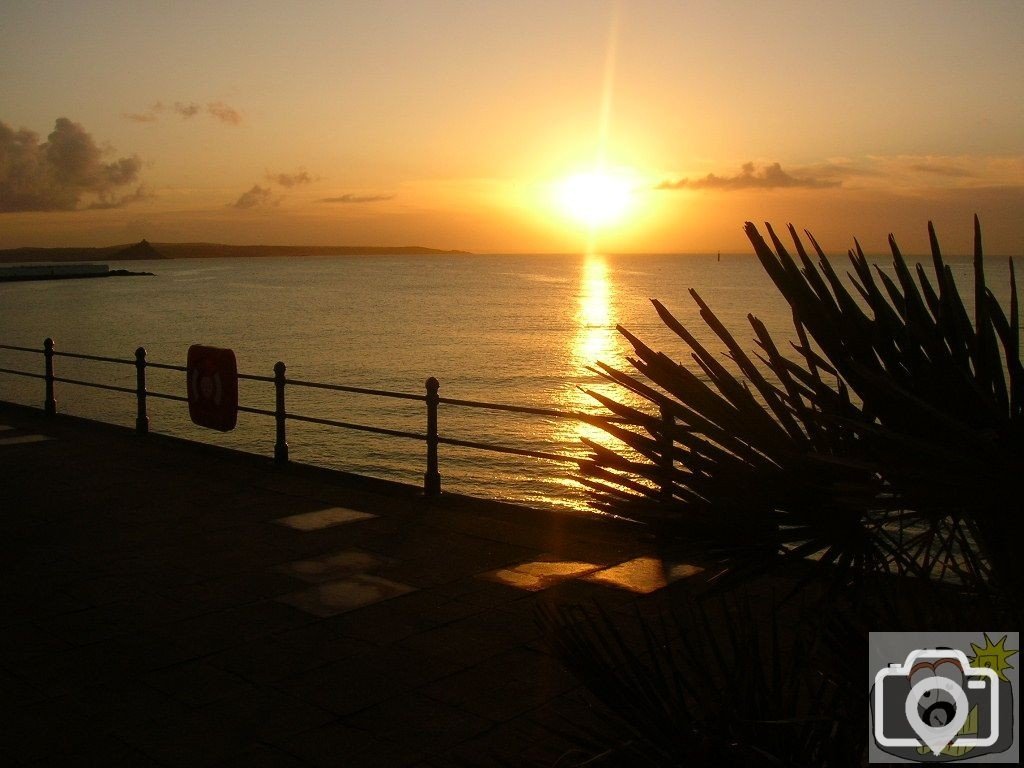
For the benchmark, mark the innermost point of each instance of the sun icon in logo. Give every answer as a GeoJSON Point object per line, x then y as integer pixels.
{"type": "Point", "coordinates": [993, 655]}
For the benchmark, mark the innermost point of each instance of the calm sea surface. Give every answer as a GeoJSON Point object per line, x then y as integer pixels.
{"type": "Point", "coordinates": [501, 328]}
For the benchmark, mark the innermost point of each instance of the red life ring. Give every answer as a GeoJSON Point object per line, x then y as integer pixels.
{"type": "Point", "coordinates": [212, 384]}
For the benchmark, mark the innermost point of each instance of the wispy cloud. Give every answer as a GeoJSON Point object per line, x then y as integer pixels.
{"type": "Point", "coordinates": [56, 174]}
{"type": "Point", "coordinates": [356, 199]}
{"type": "Point", "coordinates": [140, 117]}
{"type": "Point", "coordinates": [151, 115]}
{"type": "Point", "coordinates": [290, 180]}
{"type": "Point", "coordinates": [187, 110]}
{"type": "Point", "coordinates": [941, 169]}
{"type": "Point", "coordinates": [920, 172]}
{"type": "Point", "coordinates": [769, 177]}
{"type": "Point", "coordinates": [837, 169]}
{"type": "Point", "coordinates": [106, 201]}
{"type": "Point", "coordinates": [224, 113]}
{"type": "Point", "coordinates": [256, 197]}
{"type": "Point", "coordinates": [191, 109]}
{"type": "Point", "coordinates": [910, 172]}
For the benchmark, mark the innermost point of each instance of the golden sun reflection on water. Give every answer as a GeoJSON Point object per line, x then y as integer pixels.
{"type": "Point", "coordinates": [594, 340]}
{"type": "Point", "coordinates": [595, 311]}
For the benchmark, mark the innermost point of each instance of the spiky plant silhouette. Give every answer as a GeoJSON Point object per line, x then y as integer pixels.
{"type": "Point", "coordinates": [887, 440]}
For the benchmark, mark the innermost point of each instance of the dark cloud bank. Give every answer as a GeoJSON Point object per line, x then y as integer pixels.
{"type": "Point", "coordinates": [769, 177]}
{"type": "Point", "coordinates": [56, 174]}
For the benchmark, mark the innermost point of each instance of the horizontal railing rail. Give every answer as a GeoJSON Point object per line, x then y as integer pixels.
{"type": "Point", "coordinates": [36, 350]}
{"type": "Point", "coordinates": [559, 457]}
{"type": "Point", "coordinates": [94, 385]}
{"type": "Point", "coordinates": [575, 415]}
{"type": "Point", "coordinates": [166, 366]}
{"type": "Point", "coordinates": [432, 477]}
{"type": "Point", "coordinates": [97, 358]}
{"type": "Point", "coordinates": [22, 373]}
{"type": "Point", "coordinates": [357, 427]}
{"type": "Point", "coordinates": [355, 390]}
{"type": "Point", "coordinates": [176, 398]}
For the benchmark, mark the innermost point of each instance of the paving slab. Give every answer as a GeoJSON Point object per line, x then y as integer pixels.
{"type": "Point", "coordinates": [330, 598]}
{"type": "Point", "coordinates": [323, 518]}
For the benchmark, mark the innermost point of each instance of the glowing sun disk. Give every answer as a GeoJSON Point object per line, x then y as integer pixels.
{"type": "Point", "coordinates": [596, 199]}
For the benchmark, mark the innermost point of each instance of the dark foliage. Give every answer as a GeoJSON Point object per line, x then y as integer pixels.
{"type": "Point", "coordinates": [883, 449]}
{"type": "Point", "coordinates": [890, 442]}
{"type": "Point", "coordinates": [708, 685]}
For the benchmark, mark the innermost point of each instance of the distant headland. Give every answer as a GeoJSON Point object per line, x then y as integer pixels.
{"type": "Point", "coordinates": [144, 250]}
{"type": "Point", "coordinates": [63, 271]}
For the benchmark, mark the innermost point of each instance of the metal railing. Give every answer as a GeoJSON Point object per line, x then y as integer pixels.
{"type": "Point", "coordinates": [431, 478]}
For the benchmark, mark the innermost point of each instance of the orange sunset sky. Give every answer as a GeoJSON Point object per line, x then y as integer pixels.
{"type": "Point", "coordinates": [522, 126]}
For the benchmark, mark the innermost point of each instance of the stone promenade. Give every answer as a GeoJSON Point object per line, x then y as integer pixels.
{"type": "Point", "coordinates": [167, 603]}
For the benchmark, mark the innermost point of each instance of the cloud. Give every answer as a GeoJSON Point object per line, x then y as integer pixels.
{"type": "Point", "coordinates": [256, 197]}
{"type": "Point", "coordinates": [908, 172]}
{"type": "Point", "coordinates": [224, 113]}
{"type": "Point", "coordinates": [836, 169]}
{"type": "Point", "coordinates": [54, 175]}
{"type": "Point", "coordinates": [119, 201]}
{"type": "Point", "coordinates": [356, 199]}
{"type": "Point", "coordinates": [922, 172]}
{"type": "Point", "coordinates": [186, 110]}
{"type": "Point", "coordinates": [769, 177]}
{"type": "Point", "coordinates": [140, 117]}
{"type": "Point", "coordinates": [290, 179]}
{"type": "Point", "coordinates": [940, 169]}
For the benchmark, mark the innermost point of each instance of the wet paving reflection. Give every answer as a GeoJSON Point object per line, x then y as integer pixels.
{"type": "Point", "coordinates": [642, 575]}
{"type": "Point", "coordinates": [334, 597]}
{"type": "Point", "coordinates": [324, 518]}
{"type": "Point", "coordinates": [539, 575]}
{"type": "Point", "coordinates": [335, 565]}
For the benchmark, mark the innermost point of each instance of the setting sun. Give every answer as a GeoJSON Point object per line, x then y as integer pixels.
{"type": "Point", "coordinates": [597, 199]}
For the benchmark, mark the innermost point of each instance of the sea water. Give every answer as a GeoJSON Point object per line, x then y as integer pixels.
{"type": "Point", "coordinates": [514, 329]}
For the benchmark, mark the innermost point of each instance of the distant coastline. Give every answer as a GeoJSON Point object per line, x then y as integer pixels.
{"type": "Point", "coordinates": [144, 250]}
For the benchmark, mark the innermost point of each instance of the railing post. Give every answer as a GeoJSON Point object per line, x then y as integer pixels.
{"type": "Point", "coordinates": [50, 404]}
{"type": "Point", "coordinates": [280, 443]}
{"type": "Point", "coordinates": [667, 428]}
{"type": "Point", "coordinates": [141, 417]}
{"type": "Point", "coordinates": [432, 478]}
